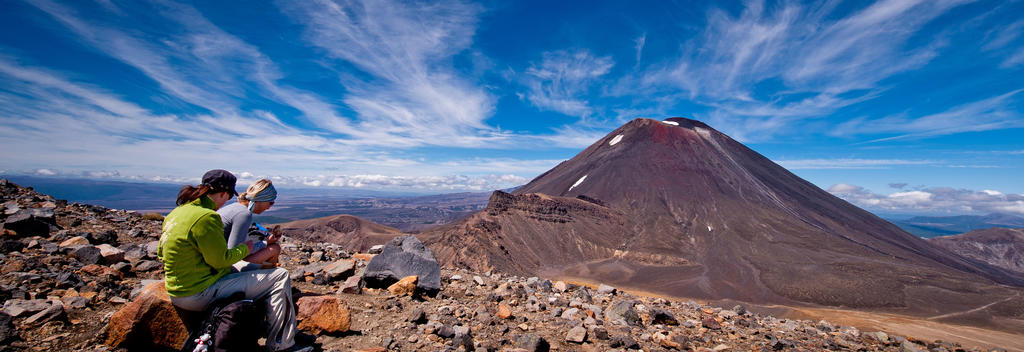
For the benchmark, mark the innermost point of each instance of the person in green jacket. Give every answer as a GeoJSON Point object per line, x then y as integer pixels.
{"type": "Point", "coordinates": [198, 262]}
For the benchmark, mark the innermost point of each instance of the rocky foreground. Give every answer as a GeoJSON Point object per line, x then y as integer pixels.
{"type": "Point", "coordinates": [67, 268]}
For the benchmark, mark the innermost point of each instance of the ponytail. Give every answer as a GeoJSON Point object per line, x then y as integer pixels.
{"type": "Point", "coordinates": [190, 193]}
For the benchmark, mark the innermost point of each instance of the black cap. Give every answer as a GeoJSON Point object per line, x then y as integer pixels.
{"type": "Point", "coordinates": [221, 180]}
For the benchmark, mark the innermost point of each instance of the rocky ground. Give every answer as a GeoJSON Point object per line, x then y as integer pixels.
{"type": "Point", "coordinates": [66, 268]}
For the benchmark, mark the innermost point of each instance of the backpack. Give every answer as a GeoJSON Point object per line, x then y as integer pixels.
{"type": "Point", "coordinates": [233, 324]}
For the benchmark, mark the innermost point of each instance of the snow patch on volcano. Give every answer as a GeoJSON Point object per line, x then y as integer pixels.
{"type": "Point", "coordinates": [673, 123]}
{"type": "Point", "coordinates": [578, 182]}
{"type": "Point", "coordinates": [615, 140]}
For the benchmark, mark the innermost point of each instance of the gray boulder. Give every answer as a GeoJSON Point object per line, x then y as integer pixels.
{"type": "Point", "coordinates": [625, 312]}
{"type": "Point", "coordinates": [86, 254]}
{"type": "Point", "coordinates": [532, 343]}
{"type": "Point", "coordinates": [31, 222]}
{"type": "Point", "coordinates": [54, 312]}
{"type": "Point", "coordinates": [20, 307]}
{"type": "Point", "coordinates": [404, 256]}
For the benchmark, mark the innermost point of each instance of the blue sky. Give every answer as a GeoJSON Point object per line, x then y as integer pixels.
{"type": "Point", "coordinates": [893, 105]}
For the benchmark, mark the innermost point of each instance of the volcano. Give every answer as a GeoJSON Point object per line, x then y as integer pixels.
{"type": "Point", "coordinates": [676, 207]}
{"type": "Point", "coordinates": [350, 232]}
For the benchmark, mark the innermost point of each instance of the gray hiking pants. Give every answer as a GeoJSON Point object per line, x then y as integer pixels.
{"type": "Point", "coordinates": [273, 285]}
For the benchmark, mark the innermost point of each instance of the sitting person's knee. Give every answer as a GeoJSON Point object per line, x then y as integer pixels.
{"type": "Point", "coordinates": [274, 249]}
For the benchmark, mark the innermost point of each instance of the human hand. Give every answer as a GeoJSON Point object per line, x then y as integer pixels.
{"type": "Point", "coordinates": [273, 237]}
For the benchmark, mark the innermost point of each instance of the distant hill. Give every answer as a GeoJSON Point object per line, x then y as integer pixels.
{"type": "Point", "coordinates": [932, 226]}
{"type": "Point", "coordinates": [404, 211]}
{"type": "Point", "coordinates": [1001, 247]}
{"type": "Point", "coordinates": [350, 232]}
{"type": "Point", "coordinates": [139, 196]}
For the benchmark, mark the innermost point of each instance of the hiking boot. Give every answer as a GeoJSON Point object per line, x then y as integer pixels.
{"type": "Point", "coordinates": [304, 339]}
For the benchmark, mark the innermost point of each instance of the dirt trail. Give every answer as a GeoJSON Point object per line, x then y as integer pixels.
{"type": "Point", "coordinates": [915, 327]}
{"type": "Point", "coordinates": [937, 317]}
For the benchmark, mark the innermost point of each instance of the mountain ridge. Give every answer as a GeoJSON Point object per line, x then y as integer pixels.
{"type": "Point", "coordinates": [729, 222]}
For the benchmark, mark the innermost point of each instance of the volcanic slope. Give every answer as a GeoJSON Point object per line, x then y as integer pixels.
{"type": "Point", "coordinates": [350, 232]}
{"type": "Point", "coordinates": [998, 246]}
{"type": "Point", "coordinates": [678, 208]}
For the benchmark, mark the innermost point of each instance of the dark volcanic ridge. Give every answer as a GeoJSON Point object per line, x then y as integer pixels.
{"type": "Point", "coordinates": [997, 246]}
{"type": "Point", "coordinates": [679, 208]}
{"type": "Point", "coordinates": [352, 233]}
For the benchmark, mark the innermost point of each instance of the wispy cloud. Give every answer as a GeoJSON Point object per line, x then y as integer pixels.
{"type": "Point", "coordinates": [100, 128]}
{"type": "Point", "coordinates": [775, 65]}
{"type": "Point", "coordinates": [849, 163]}
{"type": "Point", "coordinates": [993, 113]}
{"type": "Point", "coordinates": [561, 79]}
{"type": "Point", "coordinates": [1001, 42]}
{"type": "Point", "coordinates": [413, 93]}
{"type": "Point", "coordinates": [640, 42]}
{"type": "Point", "coordinates": [485, 182]}
{"type": "Point", "coordinates": [932, 200]}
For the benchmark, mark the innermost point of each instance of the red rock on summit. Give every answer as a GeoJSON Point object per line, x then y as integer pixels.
{"type": "Point", "coordinates": [679, 208]}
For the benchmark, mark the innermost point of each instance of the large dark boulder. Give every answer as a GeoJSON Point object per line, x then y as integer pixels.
{"type": "Point", "coordinates": [31, 222]}
{"type": "Point", "coordinates": [86, 254]}
{"type": "Point", "coordinates": [103, 237]}
{"type": "Point", "coordinates": [404, 256]}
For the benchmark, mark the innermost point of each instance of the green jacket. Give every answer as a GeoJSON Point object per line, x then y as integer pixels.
{"type": "Point", "coordinates": [193, 248]}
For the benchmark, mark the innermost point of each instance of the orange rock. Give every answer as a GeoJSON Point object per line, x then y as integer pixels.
{"type": "Point", "coordinates": [74, 241]}
{"type": "Point", "coordinates": [110, 253]}
{"type": "Point", "coordinates": [323, 314]}
{"type": "Point", "coordinates": [504, 312]}
{"type": "Point", "coordinates": [666, 343]}
{"type": "Point", "coordinates": [100, 270]}
{"type": "Point", "coordinates": [404, 287]}
{"type": "Point", "coordinates": [363, 256]}
{"type": "Point", "coordinates": [147, 323]}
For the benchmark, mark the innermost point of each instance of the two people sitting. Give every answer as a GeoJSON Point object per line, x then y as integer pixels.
{"type": "Point", "coordinates": [200, 265]}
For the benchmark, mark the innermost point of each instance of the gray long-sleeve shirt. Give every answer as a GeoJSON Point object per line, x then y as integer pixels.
{"type": "Point", "coordinates": [237, 219]}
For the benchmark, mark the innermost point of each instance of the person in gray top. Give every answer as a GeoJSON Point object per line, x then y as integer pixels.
{"type": "Point", "coordinates": [237, 218]}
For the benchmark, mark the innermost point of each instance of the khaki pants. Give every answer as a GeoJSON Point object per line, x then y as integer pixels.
{"type": "Point", "coordinates": [273, 285]}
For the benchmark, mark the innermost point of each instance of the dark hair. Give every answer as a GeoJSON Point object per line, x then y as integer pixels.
{"type": "Point", "coordinates": [190, 193]}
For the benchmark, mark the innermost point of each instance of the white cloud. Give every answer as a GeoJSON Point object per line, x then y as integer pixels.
{"type": "Point", "coordinates": [562, 77]}
{"type": "Point", "coordinates": [848, 163]}
{"type": "Point", "coordinates": [415, 95]}
{"type": "Point", "coordinates": [844, 188]}
{"type": "Point", "coordinates": [816, 61]}
{"type": "Point", "coordinates": [932, 200]}
{"type": "Point", "coordinates": [993, 113]}
{"type": "Point", "coordinates": [639, 47]}
{"type": "Point", "coordinates": [427, 183]}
